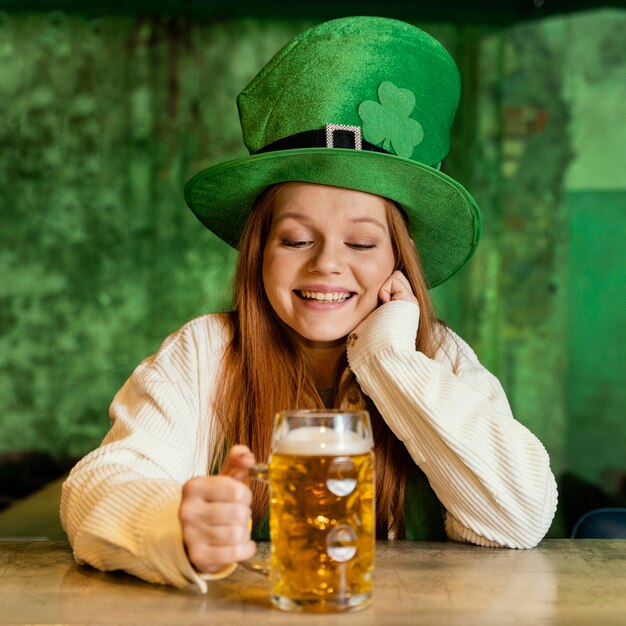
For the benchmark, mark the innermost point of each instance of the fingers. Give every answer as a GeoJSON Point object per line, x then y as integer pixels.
{"type": "Point", "coordinates": [199, 529]}
{"type": "Point", "coordinates": [227, 535]}
{"type": "Point", "coordinates": [209, 558]}
{"type": "Point", "coordinates": [206, 515]}
{"type": "Point", "coordinates": [397, 287]}
{"type": "Point", "coordinates": [215, 514]}
{"type": "Point", "coordinates": [217, 489]}
{"type": "Point", "coordinates": [238, 462]}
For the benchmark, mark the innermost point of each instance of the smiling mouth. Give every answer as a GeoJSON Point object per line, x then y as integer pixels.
{"type": "Point", "coordinates": [324, 296]}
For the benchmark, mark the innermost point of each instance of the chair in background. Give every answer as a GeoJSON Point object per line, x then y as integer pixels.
{"type": "Point", "coordinates": [607, 523]}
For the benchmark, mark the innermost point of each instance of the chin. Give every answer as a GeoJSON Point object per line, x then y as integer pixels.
{"type": "Point", "coordinates": [323, 337]}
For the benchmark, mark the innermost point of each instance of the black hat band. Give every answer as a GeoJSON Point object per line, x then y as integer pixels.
{"type": "Point", "coordinates": [339, 138]}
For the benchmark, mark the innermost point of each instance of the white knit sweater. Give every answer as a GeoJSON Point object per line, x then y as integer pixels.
{"type": "Point", "coordinates": [120, 503]}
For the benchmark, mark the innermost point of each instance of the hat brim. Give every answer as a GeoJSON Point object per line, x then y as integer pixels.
{"type": "Point", "coordinates": [445, 221]}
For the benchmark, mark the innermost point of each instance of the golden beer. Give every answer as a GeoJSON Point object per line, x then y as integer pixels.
{"type": "Point", "coordinates": [321, 521]}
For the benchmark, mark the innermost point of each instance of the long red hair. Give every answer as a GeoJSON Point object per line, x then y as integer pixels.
{"type": "Point", "coordinates": [264, 369]}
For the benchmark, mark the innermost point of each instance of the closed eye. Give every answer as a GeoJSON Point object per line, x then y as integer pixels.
{"type": "Point", "coordinates": [361, 246]}
{"type": "Point", "coordinates": [296, 244]}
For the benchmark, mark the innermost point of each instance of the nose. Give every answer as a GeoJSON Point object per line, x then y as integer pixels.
{"type": "Point", "coordinates": [327, 259]}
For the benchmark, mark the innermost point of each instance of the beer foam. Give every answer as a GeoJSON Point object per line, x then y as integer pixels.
{"type": "Point", "coordinates": [316, 441]}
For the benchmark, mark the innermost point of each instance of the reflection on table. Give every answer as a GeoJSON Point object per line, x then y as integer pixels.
{"type": "Point", "coordinates": [559, 582]}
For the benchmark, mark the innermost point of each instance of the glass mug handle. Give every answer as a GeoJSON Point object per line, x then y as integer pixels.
{"type": "Point", "coordinates": [259, 472]}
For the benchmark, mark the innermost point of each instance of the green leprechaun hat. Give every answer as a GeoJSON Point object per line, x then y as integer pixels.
{"type": "Point", "coordinates": [364, 103]}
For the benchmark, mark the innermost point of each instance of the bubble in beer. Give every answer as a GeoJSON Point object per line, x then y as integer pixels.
{"type": "Point", "coordinates": [341, 477]}
{"type": "Point", "coordinates": [320, 522]}
{"type": "Point", "coordinates": [341, 543]}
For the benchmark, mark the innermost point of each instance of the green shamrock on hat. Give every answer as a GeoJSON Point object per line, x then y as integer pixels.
{"type": "Point", "coordinates": [389, 122]}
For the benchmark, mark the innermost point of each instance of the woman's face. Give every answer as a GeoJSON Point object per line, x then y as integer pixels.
{"type": "Point", "coordinates": [327, 255]}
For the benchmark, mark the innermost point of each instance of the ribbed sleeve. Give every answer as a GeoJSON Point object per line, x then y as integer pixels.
{"type": "Point", "coordinates": [120, 504]}
{"type": "Point", "coordinates": [490, 473]}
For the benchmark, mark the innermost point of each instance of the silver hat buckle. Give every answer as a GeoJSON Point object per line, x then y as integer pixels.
{"type": "Point", "coordinates": [355, 130]}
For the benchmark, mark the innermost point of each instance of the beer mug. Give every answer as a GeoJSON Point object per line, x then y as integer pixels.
{"type": "Point", "coordinates": [322, 526]}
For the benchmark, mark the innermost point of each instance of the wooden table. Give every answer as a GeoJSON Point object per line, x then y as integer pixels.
{"type": "Point", "coordinates": [418, 583]}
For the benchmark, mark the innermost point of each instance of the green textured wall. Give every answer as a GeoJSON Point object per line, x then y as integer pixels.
{"type": "Point", "coordinates": [102, 120]}
{"type": "Point", "coordinates": [544, 300]}
{"type": "Point", "coordinates": [596, 439]}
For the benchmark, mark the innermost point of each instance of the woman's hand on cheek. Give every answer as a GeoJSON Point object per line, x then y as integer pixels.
{"type": "Point", "coordinates": [396, 287]}
{"type": "Point", "coordinates": [215, 515]}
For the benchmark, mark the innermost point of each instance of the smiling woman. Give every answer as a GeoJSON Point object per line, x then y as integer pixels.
{"type": "Point", "coordinates": [342, 220]}
{"type": "Point", "coordinates": [327, 255]}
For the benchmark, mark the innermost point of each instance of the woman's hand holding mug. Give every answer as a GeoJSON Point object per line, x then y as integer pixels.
{"type": "Point", "coordinates": [215, 515]}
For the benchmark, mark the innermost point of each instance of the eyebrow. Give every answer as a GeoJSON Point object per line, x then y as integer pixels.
{"type": "Point", "coordinates": [368, 220]}
{"type": "Point", "coordinates": [354, 220]}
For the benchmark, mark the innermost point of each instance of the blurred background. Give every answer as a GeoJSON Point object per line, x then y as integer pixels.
{"type": "Point", "coordinates": [107, 110]}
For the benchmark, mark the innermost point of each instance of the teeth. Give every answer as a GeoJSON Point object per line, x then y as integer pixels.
{"type": "Point", "coordinates": [328, 296]}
